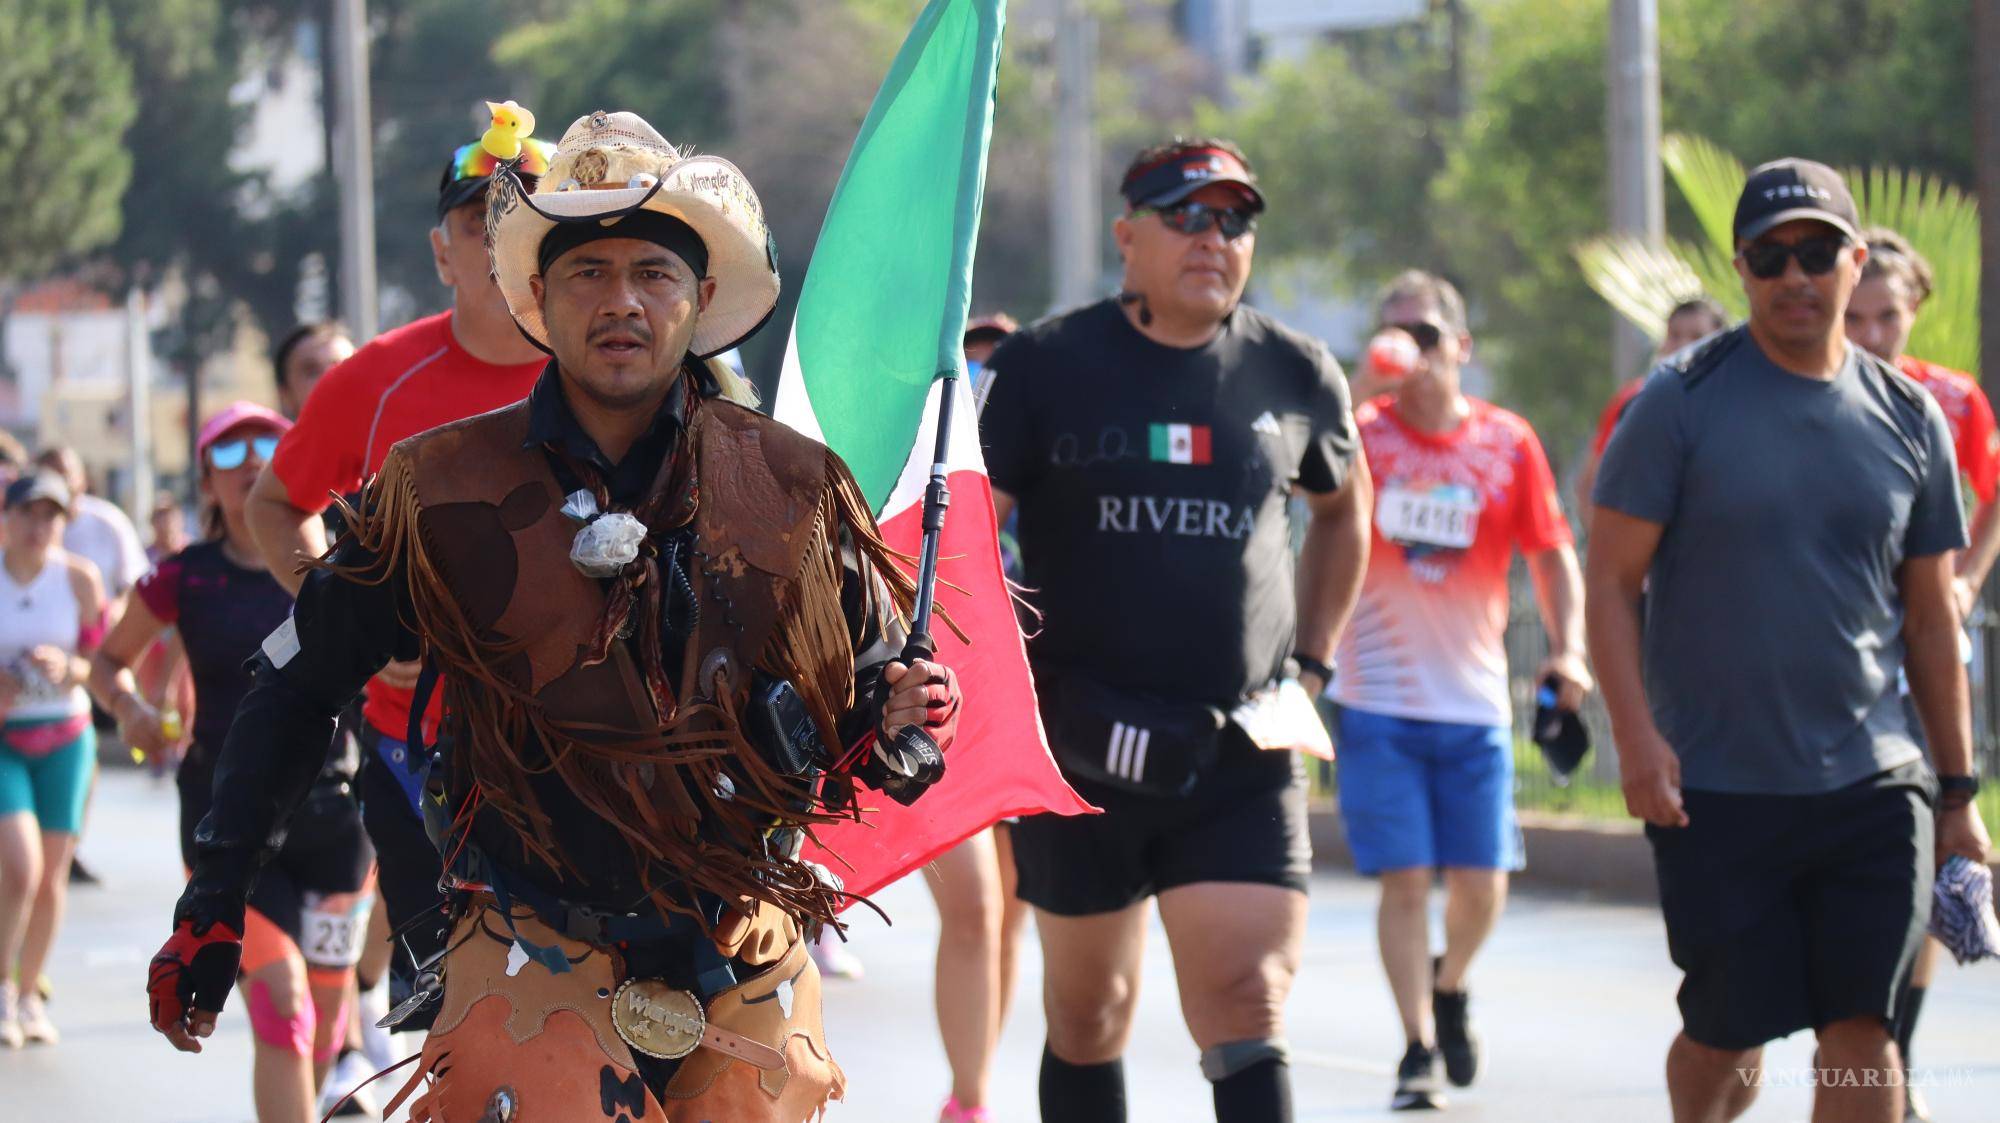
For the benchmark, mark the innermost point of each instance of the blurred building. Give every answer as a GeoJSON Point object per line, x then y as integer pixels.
{"type": "Point", "coordinates": [67, 345]}
{"type": "Point", "coordinates": [1235, 35]}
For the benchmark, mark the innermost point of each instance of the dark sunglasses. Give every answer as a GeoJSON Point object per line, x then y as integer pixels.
{"type": "Point", "coordinates": [1766, 260]}
{"type": "Point", "coordinates": [225, 455]}
{"type": "Point", "coordinates": [1427, 335]}
{"type": "Point", "coordinates": [1196, 218]}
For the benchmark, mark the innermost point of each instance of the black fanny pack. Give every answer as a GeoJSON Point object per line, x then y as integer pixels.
{"type": "Point", "coordinates": [1129, 741]}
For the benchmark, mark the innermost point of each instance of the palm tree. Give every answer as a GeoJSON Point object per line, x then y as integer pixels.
{"type": "Point", "coordinates": [1643, 283]}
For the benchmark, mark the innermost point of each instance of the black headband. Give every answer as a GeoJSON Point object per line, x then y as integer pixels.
{"type": "Point", "coordinates": [663, 230]}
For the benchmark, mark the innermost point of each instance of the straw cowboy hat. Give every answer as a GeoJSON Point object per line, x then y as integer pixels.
{"type": "Point", "coordinates": [609, 165]}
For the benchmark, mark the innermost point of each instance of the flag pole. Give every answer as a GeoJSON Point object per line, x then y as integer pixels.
{"type": "Point", "coordinates": [937, 499]}
{"type": "Point", "coordinates": [910, 762]}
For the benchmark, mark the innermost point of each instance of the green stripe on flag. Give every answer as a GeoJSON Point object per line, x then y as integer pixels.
{"type": "Point", "coordinates": [1160, 443]}
{"type": "Point", "coordinates": [882, 311]}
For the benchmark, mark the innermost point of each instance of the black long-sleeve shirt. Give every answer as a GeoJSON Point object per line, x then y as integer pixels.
{"type": "Point", "coordinates": [343, 631]}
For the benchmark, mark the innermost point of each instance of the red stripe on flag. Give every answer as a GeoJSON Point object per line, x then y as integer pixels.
{"type": "Point", "coordinates": [1000, 766]}
{"type": "Point", "coordinates": [1199, 438]}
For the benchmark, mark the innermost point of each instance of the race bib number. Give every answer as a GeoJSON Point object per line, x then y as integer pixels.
{"type": "Point", "coordinates": [332, 927]}
{"type": "Point", "coordinates": [1442, 515]}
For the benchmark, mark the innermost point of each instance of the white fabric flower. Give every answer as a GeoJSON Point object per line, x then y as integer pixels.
{"type": "Point", "coordinates": [607, 544]}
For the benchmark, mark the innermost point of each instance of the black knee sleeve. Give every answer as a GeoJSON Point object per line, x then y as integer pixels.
{"type": "Point", "coordinates": [1260, 1093]}
{"type": "Point", "coordinates": [1082, 1093]}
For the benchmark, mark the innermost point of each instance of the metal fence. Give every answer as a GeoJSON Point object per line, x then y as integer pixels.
{"type": "Point", "coordinates": [1595, 786]}
{"type": "Point", "coordinates": [1593, 790]}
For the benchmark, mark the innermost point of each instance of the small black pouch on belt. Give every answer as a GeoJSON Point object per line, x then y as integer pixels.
{"type": "Point", "coordinates": [1128, 740]}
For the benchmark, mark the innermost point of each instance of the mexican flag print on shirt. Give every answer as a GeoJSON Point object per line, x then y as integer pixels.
{"type": "Point", "coordinates": [1179, 444]}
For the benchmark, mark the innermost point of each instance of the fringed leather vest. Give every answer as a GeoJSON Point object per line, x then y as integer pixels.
{"type": "Point", "coordinates": [474, 521]}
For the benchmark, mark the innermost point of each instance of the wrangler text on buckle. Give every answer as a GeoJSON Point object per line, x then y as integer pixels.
{"type": "Point", "coordinates": [657, 1019]}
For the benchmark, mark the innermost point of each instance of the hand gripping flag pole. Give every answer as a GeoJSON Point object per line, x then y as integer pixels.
{"type": "Point", "coordinates": [910, 762]}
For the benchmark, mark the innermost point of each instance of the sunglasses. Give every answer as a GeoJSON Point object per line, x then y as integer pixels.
{"type": "Point", "coordinates": [1817, 256]}
{"type": "Point", "coordinates": [1196, 218]}
{"type": "Point", "coordinates": [226, 455]}
{"type": "Point", "coordinates": [1427, 334]}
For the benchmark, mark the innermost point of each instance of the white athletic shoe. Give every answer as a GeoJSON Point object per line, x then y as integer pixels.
{"type": "Point", "coordinates": [375, 1041]}
{"type": "Point", "coordinates": [349, 1073]}
{"type": "Point", "coordinates": [835, 961]}
{"type": "Point", "coordinates": [36, 1028]}
{"type": "Point", "coordinates": [10, 1021]}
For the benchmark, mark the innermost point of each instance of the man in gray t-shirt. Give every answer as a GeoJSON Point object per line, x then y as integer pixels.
{"type": "Point", "coordinates": [1787, 505]}
{"type": "Point", "coordinates": [1790, 506]}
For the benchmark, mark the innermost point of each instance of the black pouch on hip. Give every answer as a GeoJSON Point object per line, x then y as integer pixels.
{"type": "Point", "coordinates": [1129, 741]}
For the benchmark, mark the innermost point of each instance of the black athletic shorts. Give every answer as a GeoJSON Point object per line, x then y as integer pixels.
{"type": "Point", "coordinates": [407, 867]}
{"type": "Point", "coordinates": [1245, 821]}
{"type": "Point", "coordinates": [326, 851]}
{"type": "Point", "coordinates": [1794, 912]}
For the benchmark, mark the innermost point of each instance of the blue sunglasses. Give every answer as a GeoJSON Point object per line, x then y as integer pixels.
{"type": "Point", "coordinates": [224, 455]}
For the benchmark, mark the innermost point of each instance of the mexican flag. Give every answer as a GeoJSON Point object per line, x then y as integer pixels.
{"type": "Point", "coordinates": [880, 322]}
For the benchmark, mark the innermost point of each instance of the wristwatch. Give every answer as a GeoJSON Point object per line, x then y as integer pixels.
{"type": "Point", "coordinates": [1309, 664]}
{"type": "Point", "coordinates": [1955, 792]}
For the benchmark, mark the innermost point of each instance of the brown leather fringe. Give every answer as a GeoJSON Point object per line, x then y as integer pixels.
{"type": "Point", "coordinates": [646, 782]}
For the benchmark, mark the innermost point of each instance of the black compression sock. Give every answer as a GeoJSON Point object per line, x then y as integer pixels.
{"type": "Point", "coordinates": [1261, 1093]}
{"type": "Point", "coordinates": [1906, 1020]}
{"type": "Point", "coordinates": [1082, 1093]}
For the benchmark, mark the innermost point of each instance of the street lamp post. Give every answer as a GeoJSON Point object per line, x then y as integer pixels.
{"type": "Point", "coordinates": [356, 167]}
{"type": "Point", "coordinates": [1638, 190]}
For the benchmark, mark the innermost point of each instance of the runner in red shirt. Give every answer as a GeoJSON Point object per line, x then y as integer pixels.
{"type": "Point", "coordinates": [1689, 322]}
{"type": "Point", "coordinates": [437, 370]}
{"type": "Point", "coordinates": [1426, 721]}
{"type": "Point", "coordinates": [1895, 282]}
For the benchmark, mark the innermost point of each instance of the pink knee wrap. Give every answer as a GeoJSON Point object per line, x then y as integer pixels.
{"type": "Point", "coordinates": [291, 1032]}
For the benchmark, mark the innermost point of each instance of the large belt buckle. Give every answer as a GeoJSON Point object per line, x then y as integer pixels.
{"type": "Point", "coordinates": [657, 1019]}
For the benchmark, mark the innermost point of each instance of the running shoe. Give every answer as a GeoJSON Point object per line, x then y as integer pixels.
{"type": "Point", "coordinates": [10, 1021]}
{"type": "Point", "coordinates": [344, 1084]}
{"type": "Point", "coordinates": [376, 1043]}
{"type": "Point", "coordinates": [33, 1017]}
{"type": "Point", "coordinates": [79, 875]}
{"type": "Point", "coordinates": [835, 961]}
{"type": "Point", "coordinates": [955, 1112]}
{"type": "Point", "coordinates": [1456, 1038]}
{"type": "Point", "coordinates": [1418, 1087]}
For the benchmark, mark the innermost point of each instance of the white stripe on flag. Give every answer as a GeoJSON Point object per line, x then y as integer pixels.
{"type": "Point", "coordinates": [1180, 444]}
{"type": "Point", "coordinates": [793, 405]}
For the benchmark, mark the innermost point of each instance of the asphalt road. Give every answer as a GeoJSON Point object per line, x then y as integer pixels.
{"type": "Point", "coordinates": [1575, 999]}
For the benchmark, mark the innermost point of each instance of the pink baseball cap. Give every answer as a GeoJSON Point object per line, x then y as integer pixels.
{"type": "Point", "coordinates": [238, 413]}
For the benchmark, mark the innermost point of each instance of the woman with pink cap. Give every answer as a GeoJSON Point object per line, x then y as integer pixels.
{"type": "Point", "coordinates": [310, 909]}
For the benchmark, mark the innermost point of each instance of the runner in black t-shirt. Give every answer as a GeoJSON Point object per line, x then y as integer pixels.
{"type": "Point", "coordinates": [1152, 444]}
{"type": "Point", "coordinates": [309, 910]}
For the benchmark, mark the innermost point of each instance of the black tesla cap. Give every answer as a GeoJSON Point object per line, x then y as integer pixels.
{"type": "Point", "coordinates": [1790, 189]}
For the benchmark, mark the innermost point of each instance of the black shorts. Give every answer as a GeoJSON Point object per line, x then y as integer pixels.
{"type": "Point", "coordinates": [326, 851]}
{"type": "Point", "coordinates": [408, 867]}
{"type": "Point", "coordinates": [1794, 912]}
{"type": "Point", "coordinates": [1244, 822]}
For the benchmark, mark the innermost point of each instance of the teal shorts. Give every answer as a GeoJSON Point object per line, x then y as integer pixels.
{"type": "Point", "coordinates": [51, 787]}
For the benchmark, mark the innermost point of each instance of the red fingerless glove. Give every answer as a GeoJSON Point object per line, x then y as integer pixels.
{"type": "Point", "coordinates": [194, 969]}
{"type": "Point", "coordinates": [941, 702]}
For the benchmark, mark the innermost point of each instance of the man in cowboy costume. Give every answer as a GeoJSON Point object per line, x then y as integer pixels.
{"type": "Point", "coordinates": [668, 637]}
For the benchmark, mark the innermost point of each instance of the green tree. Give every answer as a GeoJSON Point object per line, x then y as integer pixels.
{"type": "Point", "coordinates": [1522, 179]}
{"type": "Point", "coordinates": [190, 212]}
{"type": "Point", "coordinates": [424, 111]}
{"type": "Point", "coordinates": [65, 102]}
